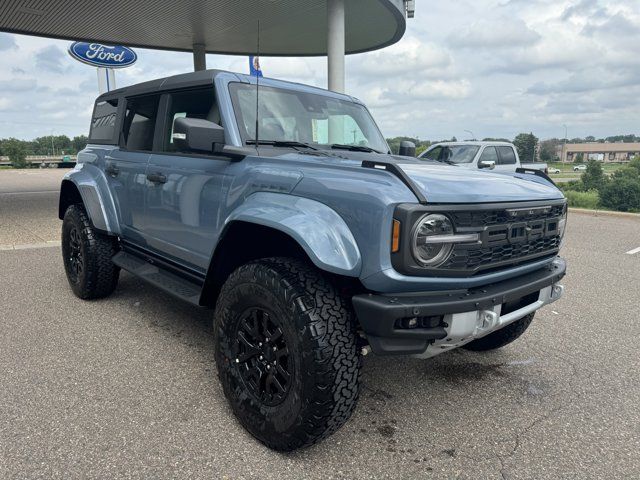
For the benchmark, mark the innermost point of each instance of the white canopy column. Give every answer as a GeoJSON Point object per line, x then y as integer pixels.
{"type": "Point", "coordinates": [335, 45]}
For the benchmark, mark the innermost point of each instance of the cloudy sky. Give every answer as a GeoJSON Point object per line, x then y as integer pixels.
{"type": "Point", "coordinates": [496, 68]}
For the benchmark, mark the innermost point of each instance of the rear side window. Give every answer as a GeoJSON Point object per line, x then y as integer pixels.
{"type": "Point", "coordinates": [139, 122]}
{"type": "Point", "coordinates": [103, 121]}
{"type": "Point", "coordinates": [507, 156]}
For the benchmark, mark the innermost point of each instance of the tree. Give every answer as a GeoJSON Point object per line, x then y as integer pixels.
{"type": "Point", "coordinates": [15, 150]}
{"type": "Point", "coordinates": [548, 150]}
{"type": "Point", "coordinates": [79, 142]}
{"type": "Point", "coordinates": [593, 178]}
{"type": "Point", "coordinates": [526, 146]}
{"type": "Point", "coordinates": [579, 158]}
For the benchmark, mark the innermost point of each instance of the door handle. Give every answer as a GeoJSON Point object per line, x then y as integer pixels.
{"type": "Point", "coordinates": [111, 170]}
{"type": "Point", "coordinates": [156, 178]}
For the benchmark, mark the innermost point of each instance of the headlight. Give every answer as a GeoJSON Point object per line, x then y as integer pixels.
{"type": "Point", "coordinates": [427, 249]}
{"type": "Point", "coordinates": [562, 225]}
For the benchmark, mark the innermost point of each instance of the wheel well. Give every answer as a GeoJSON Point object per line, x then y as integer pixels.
{"type": "Point", "coordinates": [69, 195]}
{"type": "Point", "coordinates": [243, 242]}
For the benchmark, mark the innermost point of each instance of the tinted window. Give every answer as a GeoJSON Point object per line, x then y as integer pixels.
{"type": "Point", "coordinates": [507, 156]}
{"type": "Point", "coordinates": [489, 155]}
{"type": "Point", "coordinates": [103, 121]}
{"type": "Point", "coordinates": [140, 122]}
{"type": "Point", "coordinates": [432, 154]}
{"type": "Point", "coordinates": [198, 103]}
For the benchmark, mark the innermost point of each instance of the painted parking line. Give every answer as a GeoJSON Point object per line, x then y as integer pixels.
{"type": "Point", "coordinates": [634, 251]}
{"type": "Point", "coordinates": [31, 246]}
{"type": "Point", "coordinates": [30, 193]}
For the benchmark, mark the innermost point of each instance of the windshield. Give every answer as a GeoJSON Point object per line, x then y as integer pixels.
{"type": "Point", "coordinates": [452, 153]}
{"type": "Point", "coordinates": [308, 118]}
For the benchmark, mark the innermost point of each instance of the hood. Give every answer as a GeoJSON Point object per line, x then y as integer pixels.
{"type": "Point", "coordinates": [450, 184]}
{"type": "Point", "coordinates": [446, 183]}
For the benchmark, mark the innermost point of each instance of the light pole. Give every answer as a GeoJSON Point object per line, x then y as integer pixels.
{"type": "Point", "coordinates": [473, 137]}
{"type": "Point", "coordinates": [564, 145]}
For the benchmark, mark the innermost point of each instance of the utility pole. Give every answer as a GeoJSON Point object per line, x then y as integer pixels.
{"type": "Point", "coordinates": [564, 146]}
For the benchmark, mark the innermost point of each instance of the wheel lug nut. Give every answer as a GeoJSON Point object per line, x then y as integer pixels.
{"type": "Point", "coordinates": [268, 367]}
{"type": "Point", "coordinates": [275, 348]}
{"type": "Point", "coordinates": [260, 344]}
{"type": "Point", "coordinates": [260, 357]}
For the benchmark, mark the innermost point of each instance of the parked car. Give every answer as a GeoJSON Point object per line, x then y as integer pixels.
{"type": "Point", "coordinates": [553, 170]}
{"type": "Point", "coordinates": [312, 242]}
{"type": "Point", "coordinates": [579, 168]}
{"type": "Point", "coordinates": [498, 156]}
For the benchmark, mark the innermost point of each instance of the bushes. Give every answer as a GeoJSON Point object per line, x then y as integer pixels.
{"type": "Point", "coordinates": [594, 190]}
{"type": "Point", "coordinates": [622, 194]}
{"type": "Point", "coordinates": [590, 199]}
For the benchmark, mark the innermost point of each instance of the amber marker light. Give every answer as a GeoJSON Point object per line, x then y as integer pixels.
{"type": "Point", "coordinates": [395, 237]}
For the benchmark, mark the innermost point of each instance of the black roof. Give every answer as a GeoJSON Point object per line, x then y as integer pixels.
{"type": "Point", "coordinates": [184, 80]}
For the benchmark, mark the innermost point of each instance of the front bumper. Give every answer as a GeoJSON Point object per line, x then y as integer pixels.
{"type": "Point", "coordinates": [467, 313]}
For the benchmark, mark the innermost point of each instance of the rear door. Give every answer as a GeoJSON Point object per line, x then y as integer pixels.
{"type": "Point", "coordinates": [125, 166]}
{"type": "Point", "coordinates": [184, 190]}
{"type": "Point", "coordinates": [507, 159]}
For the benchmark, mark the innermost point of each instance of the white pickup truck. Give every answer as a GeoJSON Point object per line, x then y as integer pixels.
{"type": "Point", "coordinates": [498, 156]}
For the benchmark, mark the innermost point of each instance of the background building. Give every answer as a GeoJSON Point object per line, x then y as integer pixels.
{"type": "Point", "coordinates": [603, 152]}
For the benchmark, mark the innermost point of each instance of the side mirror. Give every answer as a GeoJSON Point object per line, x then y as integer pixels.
{"type": "Point", "coordinates": [490, 164]}
{"type": "Point", "coordinates": [196, 134]}
{"type": "Point", "coordinates": [407, 149]}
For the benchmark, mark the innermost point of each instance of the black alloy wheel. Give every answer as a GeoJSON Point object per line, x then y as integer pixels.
{"type": "Point", "coordinates": [262, 356]}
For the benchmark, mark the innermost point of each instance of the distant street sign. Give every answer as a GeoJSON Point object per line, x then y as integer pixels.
{"type": "Point", "coordinates": [105, 56]}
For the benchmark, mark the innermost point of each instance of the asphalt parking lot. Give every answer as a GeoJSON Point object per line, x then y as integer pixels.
{"type": "Point", "coordinates": [126, 386]}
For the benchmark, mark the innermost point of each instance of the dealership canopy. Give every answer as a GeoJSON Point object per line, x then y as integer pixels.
{"type": "Point", "coordinates": [287, 27]}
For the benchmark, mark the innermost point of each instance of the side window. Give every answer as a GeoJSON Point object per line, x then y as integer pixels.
{"type": "Point", "coordinates": [433, 154]}
{"type": "Point", "coordinates": [507, 156]}
{"type": "Point", "coordinates": [489, 154]}
{"type": "Point", "coordinates": [140, 122]}
{"type": "Point", "coordinates": [103, 121]}
{"type": "Point", "coordinates": [198, 103]}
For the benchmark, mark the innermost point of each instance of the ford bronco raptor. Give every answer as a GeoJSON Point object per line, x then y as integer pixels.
{"type": "Point", "coordinates": [280, 206]}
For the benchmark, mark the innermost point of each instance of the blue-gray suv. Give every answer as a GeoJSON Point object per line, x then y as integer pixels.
{"type": "Point", "coordinates": [280, 206]}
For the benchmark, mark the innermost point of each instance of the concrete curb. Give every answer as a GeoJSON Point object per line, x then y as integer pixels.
{"type": "Point", "coordinates": [606, 213]}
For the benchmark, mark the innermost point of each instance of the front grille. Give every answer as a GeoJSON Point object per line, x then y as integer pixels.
{"type": "Point", "coordinates": [474, 259]}
{"type": "Point", "coordinates": [482, 218]}
{"type": "Point", "coordinates": [508, 236]}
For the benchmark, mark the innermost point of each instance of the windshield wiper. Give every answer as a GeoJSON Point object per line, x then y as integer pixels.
{"type": "Point", "coordinates": [282, 143]}
{"type": "Point", "coordinates": [444, 160]}
{"type": "Point", "coordinates": [354, 148]}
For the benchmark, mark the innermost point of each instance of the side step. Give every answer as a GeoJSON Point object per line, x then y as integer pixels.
{"type": "Point", "coordinates": [170, 283]}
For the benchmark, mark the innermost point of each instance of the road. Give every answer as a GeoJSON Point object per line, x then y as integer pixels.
{"type": "Point", "coordinates": [125, 387]}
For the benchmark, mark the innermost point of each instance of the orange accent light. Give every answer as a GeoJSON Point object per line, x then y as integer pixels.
{"type": "Point", "coordinates": [395, 237]}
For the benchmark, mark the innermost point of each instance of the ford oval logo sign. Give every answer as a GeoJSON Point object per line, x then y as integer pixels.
{"type": "Point", "coordinates": [104, 56]}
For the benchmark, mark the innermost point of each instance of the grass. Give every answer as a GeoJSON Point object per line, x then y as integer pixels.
{"type": "Point", "coordinates": [589, 199]}
{"type": "Point", "coordinates": [564, 168]}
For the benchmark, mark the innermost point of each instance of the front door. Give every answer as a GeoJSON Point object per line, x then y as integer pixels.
{"type": "Point", "coordinates": [184, 190]}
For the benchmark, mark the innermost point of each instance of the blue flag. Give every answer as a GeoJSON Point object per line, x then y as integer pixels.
{"type": "Point", "coordinates": [254, 66]}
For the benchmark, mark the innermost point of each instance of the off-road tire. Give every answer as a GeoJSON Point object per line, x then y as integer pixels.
{"type": "Point", "coordinates": [98, 276]}
{"type": "Point", "coordinates": [318, 328]}
{"type": "Point", "coordinates": [501, 337]}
